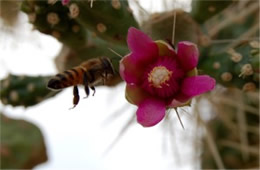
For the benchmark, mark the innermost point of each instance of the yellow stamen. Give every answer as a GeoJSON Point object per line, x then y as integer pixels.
{"type": "Point", "coordinates": [159, 76]}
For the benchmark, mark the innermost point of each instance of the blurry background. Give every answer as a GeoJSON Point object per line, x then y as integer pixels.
{"type": "Point", "coordinates": [102, 132]}
{"type": "Point", "coordinates": [81, 138]}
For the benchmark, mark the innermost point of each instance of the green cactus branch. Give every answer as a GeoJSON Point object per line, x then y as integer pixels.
{"type": "Point", "coordinates": [24, 90]}
{"type": "Point", "coordinates": [204, 10]}
{"type": "Point", "coordinates": [109, 19]}
{"type": "Point", "coordinates": [53, 19]}
{"type": "Point", "coordinates": [237, 67]}
{"type": "Point", "coordinates": [22, 144]}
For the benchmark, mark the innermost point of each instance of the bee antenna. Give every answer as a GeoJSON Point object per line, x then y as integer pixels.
{"type": "Point", "coordinates": [113, 59]}
{"type": "Point", "coordinates": [119, 55]}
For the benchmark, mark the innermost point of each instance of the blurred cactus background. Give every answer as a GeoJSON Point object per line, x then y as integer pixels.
{"type": "Point", "coordinates": [222, 127]}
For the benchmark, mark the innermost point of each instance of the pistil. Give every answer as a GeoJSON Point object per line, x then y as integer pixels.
{"type": "Point", "coordinates": [159, 76]}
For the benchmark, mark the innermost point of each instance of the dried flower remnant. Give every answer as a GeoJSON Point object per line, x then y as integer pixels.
{"type": "Point", "coordinates": [246, 70]}
{"type": "Point", "coordinates": [74, 10]}
{"type": "Point", "coordinates": [116, 4]}
{"type": "Point", "coordinates": [216, 65]}
{"type": "Point", "coordinates": [30, 87]}
{"type": "Point", "coordinates": [14, 96]}
{"type": "Point", "coordinates": [101, 28]}
{"type": "Point", "coordinates": [226, 76]}
{"type": "Point", "coordinates": [235, 56]}
{"type": "Point", "coordinates": [255, 44]}
{"type": "Point", "coordinates": [159, 78]}
{"type": "Point", "coordinates": [53, 18]}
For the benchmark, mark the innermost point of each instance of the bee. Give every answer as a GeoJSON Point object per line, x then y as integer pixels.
{"type": "Point", "coordinates": [89, 74]}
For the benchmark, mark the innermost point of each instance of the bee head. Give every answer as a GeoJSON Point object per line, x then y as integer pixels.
{"type": "Point", "coordinates": [54, 84]}
{"type": "Point", "coordinates": [107, 63]}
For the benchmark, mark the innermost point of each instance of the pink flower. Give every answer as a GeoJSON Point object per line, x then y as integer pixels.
{"type": "Point", "coordinates": [158, 78]}
{"type": "Point", "coordinates": [65, 2]}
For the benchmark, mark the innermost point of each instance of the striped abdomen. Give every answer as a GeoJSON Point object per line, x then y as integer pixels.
{"type": "Point", "coordinates": [68, 78]}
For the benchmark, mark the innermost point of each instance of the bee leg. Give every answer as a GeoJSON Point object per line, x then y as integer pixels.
{"type": "Point", "coordinates": [85, 83]}
{"type": "Point", "coordinates": [86, 88]}
{"type": "Point", "coordinates": [76, 96]}
{"type": "Point", "coordinates": [93, 88]}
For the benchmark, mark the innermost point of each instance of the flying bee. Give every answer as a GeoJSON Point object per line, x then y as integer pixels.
{"type": "Point", "coordinates": [89, 74]}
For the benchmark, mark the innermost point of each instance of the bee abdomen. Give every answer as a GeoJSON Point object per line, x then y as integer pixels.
{"type": "Point", "coordinates": [55, 84]}
{"type": "Point", "coordinates": [65, 79]}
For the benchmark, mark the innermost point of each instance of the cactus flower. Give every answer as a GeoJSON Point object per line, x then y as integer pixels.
{"type": "Point", "coordinates": [159, 78]}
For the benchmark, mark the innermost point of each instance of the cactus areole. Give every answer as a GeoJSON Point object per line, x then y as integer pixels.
{"type": "Point", "coordinates": [159, 78]}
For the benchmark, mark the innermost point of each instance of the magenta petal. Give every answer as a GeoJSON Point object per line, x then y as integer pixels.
{"type": "Point", "coordinates": [150, 112]}
{"type": "Point", "coordinates": [128, 71]}
{"type": "Point", "coordinates": [188, 55]}
{"type": "Point", "coordinates": [141, 45]}
{"type": "Point", "coordinates": [135, 94]}
{"type": "Point", "coordinates": [193, 86]}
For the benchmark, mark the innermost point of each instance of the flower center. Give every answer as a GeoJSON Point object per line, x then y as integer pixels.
{"type": "Point", "coordinates": [159, 76]}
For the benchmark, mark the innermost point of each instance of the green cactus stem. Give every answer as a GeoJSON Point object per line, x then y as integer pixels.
{"type": "Point", "coordinates": [24, 90]}
{"type": "Point", "coordinates": [203, 10]}
{"type": "Point", "coordinates": [53, 19]}
{"type": "Point", "coordinates": [229, 56]}
{"type": "Point", "coordinates": [22, 144]}
{"type": "Point", "coordinates": [237, 67]}
{"type": "Point", "coordinates": [108, 19]}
